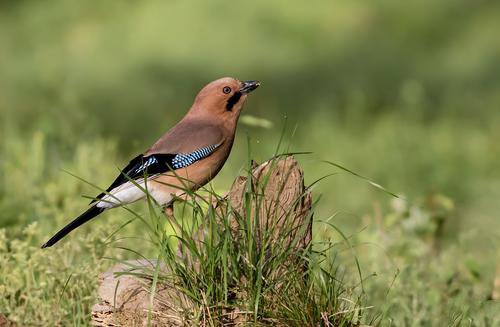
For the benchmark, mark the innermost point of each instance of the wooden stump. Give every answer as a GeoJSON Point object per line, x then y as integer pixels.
{"type": "Point", "coordinates": [125, 300]}
{"type": "Point", "coordinates": [285, 204]}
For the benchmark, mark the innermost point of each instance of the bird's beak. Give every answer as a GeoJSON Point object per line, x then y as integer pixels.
{"type": "Point", "coordinates": [249, 86]}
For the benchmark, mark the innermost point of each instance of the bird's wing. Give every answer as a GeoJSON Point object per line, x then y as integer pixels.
{"type": "Point", "coordinates": [155, 162]}
{"type": "Point", "coordinates": [188, 136]}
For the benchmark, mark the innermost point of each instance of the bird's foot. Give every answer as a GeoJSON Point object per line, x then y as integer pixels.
{"type": "Point", "coordinates": [169, 211]}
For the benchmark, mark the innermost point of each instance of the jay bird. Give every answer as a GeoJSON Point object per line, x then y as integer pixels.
{"type": "Point", "coordinates": [189, 155]}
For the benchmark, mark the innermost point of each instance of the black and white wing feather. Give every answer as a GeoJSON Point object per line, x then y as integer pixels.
{"type": "Point", "coordinates": [139, 167]}
{"type": "Point", "coordinates": [146, 166]}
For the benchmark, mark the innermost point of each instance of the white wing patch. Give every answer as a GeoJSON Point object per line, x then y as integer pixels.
{"type": "Point", "coordinates": [123, 194]}
{"type": "Point", "coordinates": [129, 192]}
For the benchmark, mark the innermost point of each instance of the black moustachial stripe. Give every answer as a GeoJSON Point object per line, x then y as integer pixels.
{"type": "Point", "coordinates": [233, 100]}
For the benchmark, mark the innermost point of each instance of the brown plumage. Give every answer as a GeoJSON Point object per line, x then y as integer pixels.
{"type": "Point", "coordinates": [189, 155]}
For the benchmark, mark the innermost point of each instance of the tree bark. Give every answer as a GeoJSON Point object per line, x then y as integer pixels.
{"type": "Point", "coordinates": [124, 300]}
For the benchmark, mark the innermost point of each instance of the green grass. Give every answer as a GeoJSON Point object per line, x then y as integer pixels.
{"type": "Point", "coordinates": [405, 93]}
{"type": "Point", "coordinates": [419, 278]}
{"type": "Point", "coordinates": [48, 289]}
{"type": "Point", "coordinates": [223, 262]}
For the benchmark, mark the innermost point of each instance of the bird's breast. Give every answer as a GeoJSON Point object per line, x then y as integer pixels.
{"type": "Point", "coordinates": [191, 177]}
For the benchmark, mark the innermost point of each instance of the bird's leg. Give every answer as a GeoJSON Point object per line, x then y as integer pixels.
{"type": "Point", "coordinates": [169, 211]}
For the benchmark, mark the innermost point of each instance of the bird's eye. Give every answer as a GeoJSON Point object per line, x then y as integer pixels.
{"type": "Point", "coordinates": [226, 90]}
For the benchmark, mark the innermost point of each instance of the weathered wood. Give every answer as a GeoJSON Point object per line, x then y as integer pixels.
{"type": "Point", "coordinates": [124, 300]}
{"type": "Point", "coordinates": [285, 206]}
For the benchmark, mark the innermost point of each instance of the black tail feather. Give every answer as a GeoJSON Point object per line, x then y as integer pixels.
{"type": "Point", "coordinates": [80, 220]}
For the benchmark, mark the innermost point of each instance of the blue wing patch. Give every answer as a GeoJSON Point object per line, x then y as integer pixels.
{"type": "Point", "coordinates": [182, 160]}
{"type": "Point", "coordinates": [146, 164]}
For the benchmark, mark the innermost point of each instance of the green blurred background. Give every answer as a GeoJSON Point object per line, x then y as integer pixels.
{"type": "Point", "coordinates": [406, 93]}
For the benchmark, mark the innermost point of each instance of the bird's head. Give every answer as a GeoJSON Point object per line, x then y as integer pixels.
{"type": "Point", "coordinates": [224, 97]}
